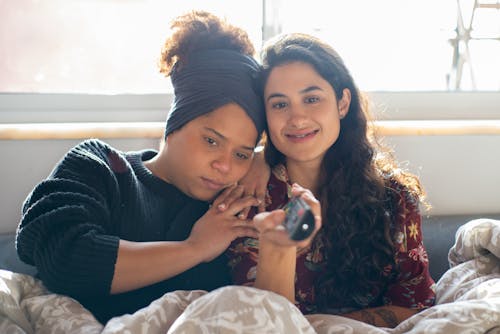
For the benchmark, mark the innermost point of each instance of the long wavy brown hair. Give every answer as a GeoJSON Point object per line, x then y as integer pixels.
{"type": "Point", "coordinates": [356, 184]}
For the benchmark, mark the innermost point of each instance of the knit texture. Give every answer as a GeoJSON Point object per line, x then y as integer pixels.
{"type": "Point", "coordinates": [72, 223]}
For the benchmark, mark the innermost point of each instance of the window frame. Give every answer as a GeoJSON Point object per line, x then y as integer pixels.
{"type": "Point", "coordinates": [57, 108]}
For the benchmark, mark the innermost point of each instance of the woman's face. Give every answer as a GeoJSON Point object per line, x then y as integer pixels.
{"type": "Point", "coordinates": [210, 152]}
{"type": "Point", "coordinates": [303, 113]}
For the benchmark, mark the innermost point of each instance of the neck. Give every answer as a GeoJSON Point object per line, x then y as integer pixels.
{"type": "Point", "coordinates": [157, 164]}
{"type": "Point", "coordinates": [306, 174]}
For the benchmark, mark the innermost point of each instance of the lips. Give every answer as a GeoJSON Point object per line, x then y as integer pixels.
{"type": "Point", "coordinates": [301, 136]}
{"type": "Point", "coordinates": [213, 184]}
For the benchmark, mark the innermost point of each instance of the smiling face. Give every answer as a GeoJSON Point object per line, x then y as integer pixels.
{"type": "Point", "coordinates": [303, 113]}
{"type": "Point", "coordinates": [209, 153]}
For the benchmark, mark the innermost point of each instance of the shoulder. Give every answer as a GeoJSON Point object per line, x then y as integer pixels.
{"type": "Point", "coordinates": [87, 168]}
{"type": "Point", "coordinates": [94, 154]}
{"type": "Point", "coordinates": [91, 149]}
{"type": "Point", "coordinates": [402, 197]}
{"type": "Point", "coordinates": [84, 169]}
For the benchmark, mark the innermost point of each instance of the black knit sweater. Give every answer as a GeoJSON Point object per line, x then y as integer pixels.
{"type": "Point", "coordinates": [72, 223]}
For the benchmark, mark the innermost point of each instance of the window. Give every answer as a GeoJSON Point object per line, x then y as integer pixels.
{"type": "Point", "coordinates": [112, 46]}
{"type": "Point", "coordinates": [405, 45]}
{"type": "Point", "coordinates": [92, 46]}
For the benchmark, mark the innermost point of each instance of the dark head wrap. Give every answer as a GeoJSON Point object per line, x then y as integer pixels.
{"type": "Point", "coordinates": [212, 79]}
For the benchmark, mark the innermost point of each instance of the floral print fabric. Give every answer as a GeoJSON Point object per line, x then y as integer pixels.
{"type": "Point", "coordinates": [413, 286]}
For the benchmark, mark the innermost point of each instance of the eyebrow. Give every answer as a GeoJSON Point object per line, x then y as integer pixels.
{"type": "Point", "coordinates": [221, 136]}
{"type": "Point", "coordinates": [305, 90]}
{"type": "Point", "coordinates": [275, 95]}
{"type": "Point", "coordinates": [310, 89]}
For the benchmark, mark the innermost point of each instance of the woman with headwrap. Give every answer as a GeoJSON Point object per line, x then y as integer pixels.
{"type": "Point", "coordinates": [116, 230]}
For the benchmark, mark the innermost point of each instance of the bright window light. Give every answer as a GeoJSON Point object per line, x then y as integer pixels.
{"type": "Point", "coordinates": [112, 46]}
{"type": "Point", "coordinates": [90, 46]}
{"type": "Point", "coordinates": [403, 45]}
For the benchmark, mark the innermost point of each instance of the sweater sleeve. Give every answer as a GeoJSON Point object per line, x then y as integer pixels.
{"type": "Point", "coordinates": [414, 287]}
{"type": "Point", "coordinates": [66, 226]}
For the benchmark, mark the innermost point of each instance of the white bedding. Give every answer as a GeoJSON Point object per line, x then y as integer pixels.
{"type": "Point", "coordinates": [468, 301]}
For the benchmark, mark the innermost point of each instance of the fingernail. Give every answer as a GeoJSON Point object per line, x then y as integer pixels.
{"type": "Point", "coordinates": [221, 206]}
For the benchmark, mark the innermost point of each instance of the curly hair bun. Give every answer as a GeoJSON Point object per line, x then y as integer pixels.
{"type": "Point", "coordinates": [199, 30]}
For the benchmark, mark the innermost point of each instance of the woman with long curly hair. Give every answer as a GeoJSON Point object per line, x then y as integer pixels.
{"type": "Point", "coordinates": [367, 261]}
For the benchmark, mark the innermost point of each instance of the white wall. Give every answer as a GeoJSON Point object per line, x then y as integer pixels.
{"type": "Point", "coordinates": [460, 173]}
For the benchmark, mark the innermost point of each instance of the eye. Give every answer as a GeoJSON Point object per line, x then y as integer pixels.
{"type": "Point", "coordinates": [210, 141]}
{"type": "Point", "coordinates": [311, 99]}
{"type": "Point", "coordinates": [278, 105]}
{"type": "Point", "coordinates": [242, 156]}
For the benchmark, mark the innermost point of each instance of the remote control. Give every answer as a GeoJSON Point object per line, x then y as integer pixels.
{"type": "Point", "coordinates": [299, 219]}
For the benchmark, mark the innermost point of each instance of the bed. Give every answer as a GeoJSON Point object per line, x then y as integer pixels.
{"type": "Point", "coordinates": [468, 301]}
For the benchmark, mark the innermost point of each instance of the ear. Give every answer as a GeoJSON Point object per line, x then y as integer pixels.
{"type": "Point", "coordinates": [344, 103]}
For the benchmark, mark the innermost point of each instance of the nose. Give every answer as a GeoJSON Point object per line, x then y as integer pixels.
{"type": "Point", "coordinates": [222, 163]}
{"type": "Point", "coordinates": [297, 117]}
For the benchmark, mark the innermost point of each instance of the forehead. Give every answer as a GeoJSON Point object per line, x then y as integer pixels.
{"type": "Point", "coordinates": [293, 76]}
{"type": "Point", "coordinates": [230, 121]}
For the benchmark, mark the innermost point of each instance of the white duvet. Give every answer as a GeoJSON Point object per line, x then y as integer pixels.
{"type": "Point", "coordinates": [468, 301]}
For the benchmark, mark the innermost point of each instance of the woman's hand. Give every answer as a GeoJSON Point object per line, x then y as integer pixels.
{"type": "Point", "coordinates": [227, 198]}
{"type": "Point", "coordinates": [269, 224]}
{"type": "Point", "coordinates": [216, 229]}
{"type": "Point", "coordinates": [254, 184]}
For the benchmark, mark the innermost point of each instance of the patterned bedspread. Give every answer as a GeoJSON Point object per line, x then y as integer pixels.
{"type": "Point", "coordinates": [468, 301]}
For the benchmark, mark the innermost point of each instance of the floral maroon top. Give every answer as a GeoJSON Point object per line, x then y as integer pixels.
{"type": "Point", "coordinates": [413, 286]}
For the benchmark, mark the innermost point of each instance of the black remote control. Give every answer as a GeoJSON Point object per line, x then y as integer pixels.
{"type": "Point", "coordinates": [299, 219]}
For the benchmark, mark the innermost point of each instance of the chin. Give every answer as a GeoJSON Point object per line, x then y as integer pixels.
{"type": "Point", "coordinates": [205, 196]}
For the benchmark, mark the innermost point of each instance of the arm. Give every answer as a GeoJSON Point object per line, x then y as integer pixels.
{"type": "Point", "coordinates": [65, 251]}
{"type": "Point", "coordinates": [142, 263]}
{"type": "Point", "coordinates": [277, 253]}
{"type": "Point", "coordinates": [65, 230]}
{"type": "Point", "coordinates": [276, 264]}
{"type": "Point", "coordinates": [68, 232]}
{"type": "Point", "coordinates": [414, 286]}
